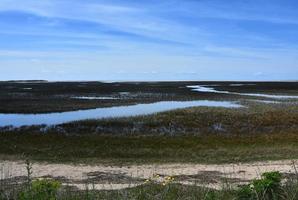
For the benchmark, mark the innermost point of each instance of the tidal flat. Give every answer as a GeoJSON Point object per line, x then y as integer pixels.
{"type": "Point", "coordinates": [149, 108]}
{"type": "Point", "coordinates": [161, 125]}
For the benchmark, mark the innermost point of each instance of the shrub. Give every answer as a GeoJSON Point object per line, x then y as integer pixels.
{"type": "Point", "coordinates": [268, 187]}
{"type": "Point", "coordinates": [41, 190]}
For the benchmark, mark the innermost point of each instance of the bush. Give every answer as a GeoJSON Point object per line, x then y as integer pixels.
{"type": "Point", "coordinates": [41, 190]}
{"type": "Point", "coordinates": [268, 187]}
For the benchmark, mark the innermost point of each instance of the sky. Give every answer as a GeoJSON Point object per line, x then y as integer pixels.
{"type": "Point", "coordinates": [149, 40]}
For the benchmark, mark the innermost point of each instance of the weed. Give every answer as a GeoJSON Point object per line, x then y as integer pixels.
{"type": "Point", "coordinates": [41, 190]}
{"type": "Point", "coordinates": [29, 171]}
{"type": "Point", "coordinates": [268, 187]}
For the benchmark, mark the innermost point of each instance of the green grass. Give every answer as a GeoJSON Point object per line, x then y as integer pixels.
{"type": "Point", "coordinates": [159, 149]}
{"type": "Point", "coordinates": [157, 192]}
{"type": "Point", "coordinates": [144, 192]}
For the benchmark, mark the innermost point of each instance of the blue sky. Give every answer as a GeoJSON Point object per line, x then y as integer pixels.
{"type": "Point", "coordinates": [149, 40]}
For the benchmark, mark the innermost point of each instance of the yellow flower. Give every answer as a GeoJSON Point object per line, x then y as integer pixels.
{"type": "Point", "coordinates": [147, 181]}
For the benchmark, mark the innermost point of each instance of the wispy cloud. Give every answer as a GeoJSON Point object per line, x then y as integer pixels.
{"type": "Point", "coordinates": [151, 36]}
{"type": "Point", "coordinates": [118, 17]}
{"type": "Point", "coordinates": [273, 11]}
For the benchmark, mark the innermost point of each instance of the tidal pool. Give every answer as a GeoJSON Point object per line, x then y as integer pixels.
{"type": "Point", "coordinates": [95, 98]}
{"type": "Point", "coordinates": [200, 88]}
{"type": "Point", "coordinates": [239, 84]}
{"type": "Point", "coordinates": [266, 101]}
{"type": "Point", "coordinates": [18, 120]}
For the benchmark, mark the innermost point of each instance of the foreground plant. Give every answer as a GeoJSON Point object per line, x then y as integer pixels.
{"type": "Point", "coordinates": [268, 187]}
{"type": "Point", "coordinates": [271, 186]}
{"type": "Point", "coordinates": [41, 190]}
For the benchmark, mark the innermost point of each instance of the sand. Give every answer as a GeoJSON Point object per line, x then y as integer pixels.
{"type": "Point", "coordinates": [119, 177]}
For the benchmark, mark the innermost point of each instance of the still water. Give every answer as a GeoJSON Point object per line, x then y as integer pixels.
{"type": "Point", "coordinates": [18, 120]}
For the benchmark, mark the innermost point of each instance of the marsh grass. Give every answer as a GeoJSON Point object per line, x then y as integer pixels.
{"type": "Point", "coordinates": [45, 97]}
{"type": "Point", "coordinates": [195, 135]}
{"type": "Point", "coordinates": [56, 97]}
{"type": "Point", "coordinates": [155, 149]}
{"type": "Point", "coordinates": [256, 118]}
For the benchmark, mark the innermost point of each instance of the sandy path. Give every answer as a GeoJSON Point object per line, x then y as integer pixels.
{"type": "Point", "coordinates": [115, 177]}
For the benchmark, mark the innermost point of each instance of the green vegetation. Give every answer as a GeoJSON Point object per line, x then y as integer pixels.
{"type": "Point", "coordinates": [158, 149]}
{"type": "Point", "coordinates": [40, 190]}
{"type": "Point", "coordinates": [257, 119]}
{"type": "Point", "coordinates": [269, 187]}
{"type": "Point", "coordinates": [195, 135]}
